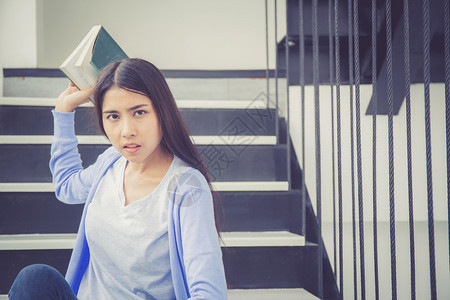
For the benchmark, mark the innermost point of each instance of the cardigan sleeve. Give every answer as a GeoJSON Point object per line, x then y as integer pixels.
{"type": "Point", "coordinates": [72, 183]}
{"type": "Point", "coordinates": [202, 255]}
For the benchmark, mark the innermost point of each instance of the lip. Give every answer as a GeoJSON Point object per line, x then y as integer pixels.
{"type": "Point", "coordinates": [131, 150]}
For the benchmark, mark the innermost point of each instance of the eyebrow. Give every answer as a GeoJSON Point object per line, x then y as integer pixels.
{"type": "Point", "coordinates": [130, 109]}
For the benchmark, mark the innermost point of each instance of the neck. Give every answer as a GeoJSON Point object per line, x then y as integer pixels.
{"type": "Point", "coordinates": [153, 166]}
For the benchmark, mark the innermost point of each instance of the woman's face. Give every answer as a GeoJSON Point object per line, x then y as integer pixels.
{"type": "Point", "coordinates": [131, 124]}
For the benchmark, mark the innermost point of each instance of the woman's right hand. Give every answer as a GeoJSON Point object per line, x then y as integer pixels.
{"type": "Point", "coordinates": [71, 98]}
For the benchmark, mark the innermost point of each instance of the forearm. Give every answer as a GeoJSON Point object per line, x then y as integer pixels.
{"type": "Point", "coordinates": [65, 161]}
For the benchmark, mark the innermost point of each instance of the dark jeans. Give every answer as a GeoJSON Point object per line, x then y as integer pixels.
{"type": "Point", "coordinates": [40, 282]}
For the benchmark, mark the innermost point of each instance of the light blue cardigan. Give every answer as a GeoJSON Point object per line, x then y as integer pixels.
{"type": "Point", "coordinates": [195, 254]}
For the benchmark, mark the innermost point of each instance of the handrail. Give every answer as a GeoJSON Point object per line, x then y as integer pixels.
{"type": "Point", "coordinates": [347, 101]}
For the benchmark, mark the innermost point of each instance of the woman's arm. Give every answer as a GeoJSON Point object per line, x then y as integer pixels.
{"type": "Point", "coordinates": [71, 182]}
{"type": "Point", "coordinates": [71, 98]}
{"type": "Point", "coordinates": [202, 255]}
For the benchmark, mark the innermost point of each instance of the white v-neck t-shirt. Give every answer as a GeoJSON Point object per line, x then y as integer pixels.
{"type": "Point", "coordinates": [129, 245]}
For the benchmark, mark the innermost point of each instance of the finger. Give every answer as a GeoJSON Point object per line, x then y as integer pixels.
{"type": "Point", "coordinates": [70, 90]}
{"type": "Point", "coordinates": [79, 96]}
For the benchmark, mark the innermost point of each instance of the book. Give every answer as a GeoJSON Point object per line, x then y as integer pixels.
{"type": "Point", "coordinates": [96, 51]}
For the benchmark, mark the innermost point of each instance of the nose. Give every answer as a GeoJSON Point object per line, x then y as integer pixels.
{"type": "Point", "coordinates": [128, 128]}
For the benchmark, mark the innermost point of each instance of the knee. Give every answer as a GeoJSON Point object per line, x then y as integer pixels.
{"type": "Point", "coordinates": [38, 272]}
{"type": "Point", "coordinates": [31, 280]}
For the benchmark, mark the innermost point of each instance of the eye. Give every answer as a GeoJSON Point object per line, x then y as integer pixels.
{"type": "Point", "coordinates": [139, 113]}
{"type": "Point", "coordinates": [112, 117]}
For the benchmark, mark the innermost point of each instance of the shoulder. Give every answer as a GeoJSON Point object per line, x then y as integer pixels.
{"type": "Point", "coordinates": [188, 185]}
{"type": "Point", "coordinates": [107, 159]}
{"type": "Point", "coordinates": [109, 155]}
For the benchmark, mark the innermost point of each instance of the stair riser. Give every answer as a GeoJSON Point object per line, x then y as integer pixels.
{"type": "Point", "coordinates": [24, 213]}
{"type": "Point", "coordinates": [37, 213]}
{"type": "Point", "coordinates": [198, 88]}
{"type": "Point", "coordinates": [29, 163]}
{"type": "Point", "coordinates": [261, 211]}
{"type": "Point", "coordinates": [272, 267]}
{"type": "Point", "coordinates": [259, 267]}
{"type": "Point", "coordinates": [30, 120]}
{"type": "Point", "coordinates": [267, 267]}
{"type": "Point", "coordinates": [11, 262]}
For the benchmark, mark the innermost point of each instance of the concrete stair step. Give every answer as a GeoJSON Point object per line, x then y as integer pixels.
{"type": "Point", "coordinates": [23, 85]}
{"type": "Point", "coordinates": [259, 294]}
{"type": "Point", "coordinates": [229, 239]}
{"type": "Point", "coordinates": [251, 259]}
{"type": "Point", "coordinates": [270, 294]}
{"type": "Point", "coordinates": [224, 162]}
{"type": "Point", "coordinates": [32, 116]}
{"type": "Point", "coordinates": [181, 103]}
{"type": "Point", "coordinates": [41, 212]}
{"type": "Point", "coordinates": [36, 187]}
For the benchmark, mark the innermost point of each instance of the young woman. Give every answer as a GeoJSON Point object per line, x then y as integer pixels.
{"type": "Point", "coordinates": [147, 229]}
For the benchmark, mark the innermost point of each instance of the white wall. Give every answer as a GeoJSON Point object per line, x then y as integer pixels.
{"type": "Point", "coordinates": [401, 192]}
{"type": "Point", "coordinates": [174, 34]}
{"type": "Point", "coordinates": [17, 35]}
{"type": "Point", "coordinates": [418, 151]}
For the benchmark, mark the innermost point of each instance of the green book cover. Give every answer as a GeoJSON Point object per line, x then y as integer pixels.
{"type": "Point", "coordinates": [105, 51]}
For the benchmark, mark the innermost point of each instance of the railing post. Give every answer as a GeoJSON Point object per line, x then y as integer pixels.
{"type": "Point", "coordinates": [302, 101]}
{"type": "Point", "coordinates": [339, 146]}
{"type": "Point", "coordinates": [267, 54]}
{"type": "Point", "coordinates": [277, 128]}
{"type": "Point", "coordinates": [317, 144]}
{"type": "Point", "coordinates": [333, 171]}
{"type": "Point", "coordinates": [391, 149]}
{"type": "Point", "coordinates": [358, 150]}
{"type": "Point", "coordinates": [288, 137]}
{"type": "Point", "coordinates": [447, 105]}
{"type": "Point", "coordinates": [408, 148]}
{"type": "Point", "coordinates": [374, 147]}
{"type": "Point", "coordinates": [426, 75]}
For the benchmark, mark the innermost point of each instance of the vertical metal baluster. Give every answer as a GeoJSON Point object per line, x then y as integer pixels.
{"type": "Point", "coordinates": [358, 150]}
{"type": "Point", "coordinates": [318, 158]}
{"type": "Point", "coordinates": [352, 152]}
{"type": "Point", "coordinates": [288, 138]}
{"type": "Point", "coordinates": [447, 104]}
{"type": "Point", "coordinates": [276, 75]}
{"type": "Point", "coordinates": [374, 147]}
{"type": "Point", "coordinates": [339, 146]}
{"type": "Point", "coordinates": [408, 151]}
{"type": "Point", "coordinates": [426, 73]}
{"type": "Point", "coordinates": [302, 99]}
{"type": "Point", "coordinates": [267, 54]}
{"type": "Point", "coordinates": [333, 171]}
{"type": "Point", "coordinates": [391, 149]}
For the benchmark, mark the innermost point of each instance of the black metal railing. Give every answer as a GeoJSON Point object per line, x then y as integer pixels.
{"type": "Point", "coordinates": [380, 31]}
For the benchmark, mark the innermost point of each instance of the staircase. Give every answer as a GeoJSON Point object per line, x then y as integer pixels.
{"type": "Point", "coordinates": [265, 256]}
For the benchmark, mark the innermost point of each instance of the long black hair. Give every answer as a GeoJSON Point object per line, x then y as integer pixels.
{"type": "Point", "coordinates": [142, 77]}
